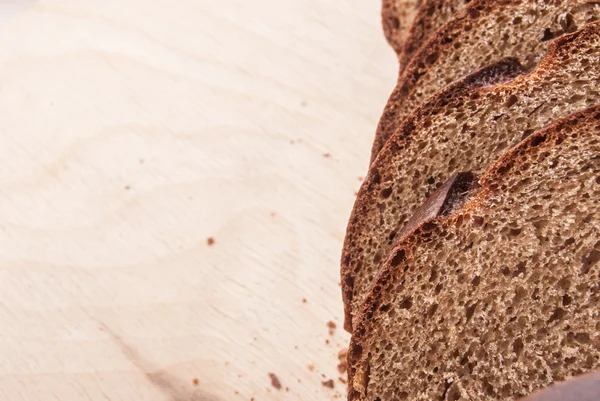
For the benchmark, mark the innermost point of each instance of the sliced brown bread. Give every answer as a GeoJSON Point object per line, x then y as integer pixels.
{"type": "Point", "coordinates": [501, 298]}
{"type": "Point", "coordinates": [458, 131]}
{"type": "Point", "coordinates": [483, 31]}
{"type": "Point", "coordinates": [397, 16]}
{"type": "Point", "coordinates": [408, 24]}
{"type": "Point", "coordinates": [432, 14]}
{"type": "Point", "coordinates": [583, 388]}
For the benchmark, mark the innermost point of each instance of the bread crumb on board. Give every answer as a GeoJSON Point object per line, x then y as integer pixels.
{"type": "Point", "coordinates": [310, 367]}
{"type": "Point", "coordinates": [210, 241]}
{"type": "Point", "coordinates": [195, 381]}
{"type": "Point", "coordinates": [328, 383]}
{"type": "Point", "coordinates": [275, 381]}
{"type": "Point", "coordinates": [332, 326]}
{"type": "Point", "coordinates": [342, 357]}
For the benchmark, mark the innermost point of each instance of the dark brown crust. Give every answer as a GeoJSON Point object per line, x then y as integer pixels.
{"type": "Point", "coordinates": [438, 43]}
{"type": "Point", "coordinates": [582, 388]}
{"type": "Point", "coordinates": [403, 251]}
{"type": "Point", "coordinates": [441, 202]}
{"type": "Point", "coordinates": [502, 71]}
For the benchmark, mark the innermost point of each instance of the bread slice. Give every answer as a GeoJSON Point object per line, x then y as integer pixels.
{"type": "Point", "coordinates": [483, 31]}
{"type": "Point", "coordinates": [457, 131]}
{"type": "Point", "coordinates": [397, 16]}
{"type": "Point", "coordinates": [583, 388]}
{"type": "Point", "coordinates": [503, 297]}
{"type": "Point", "coordinates": [408, 24]}
{"type": "Point", "coordinates": [432, 14]}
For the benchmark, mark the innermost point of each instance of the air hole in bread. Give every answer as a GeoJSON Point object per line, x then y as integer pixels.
{"type": "Point", "coordinates": [385, 193]}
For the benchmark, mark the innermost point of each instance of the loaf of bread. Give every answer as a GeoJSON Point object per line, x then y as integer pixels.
{"type": "Point", "coordinates": [426, 17]}
{"type": "Point", "coordinates": [502, 297]}
{"type": "Point", "coordinates": [479, 34]}
{"type": "Point", "coordinates": [460, 131]}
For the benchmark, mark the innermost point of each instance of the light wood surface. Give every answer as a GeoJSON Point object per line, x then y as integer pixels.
{"type": "Point", "coordinates": [132, 131]}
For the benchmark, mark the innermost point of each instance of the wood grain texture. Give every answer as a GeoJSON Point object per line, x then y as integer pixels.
{"type": "Point", "coordinates": [133, 131]}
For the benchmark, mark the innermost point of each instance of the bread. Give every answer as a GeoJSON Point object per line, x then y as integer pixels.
{"type": "Point", "coordinates": [501, 298]}
{"type": "Point", "coordinates": [482, 32]}
{"type": "Point", "coordinates": [458, 131]}
{"type": "Point", "coordinates": [583, 388]}
{"type": "Point", "coordinates": [431, 15]}
{"type": "Point", "coordinates": [359, 251]}
{"type": "Point", "coordinates": [397, 17]}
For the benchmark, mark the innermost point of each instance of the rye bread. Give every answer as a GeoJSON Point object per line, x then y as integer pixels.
{"type": "Point", "coordinates": [397, 17]}
{"type": "Point", "coordinates": [460, 131]}
{"type": "Point", "coordinates": [501, 298]}
{"type": "Point", "coordinates": [479, 34]}
{"type": "Point", "coordinates": [432, 14]}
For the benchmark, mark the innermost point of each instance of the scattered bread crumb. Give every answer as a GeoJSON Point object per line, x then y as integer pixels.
{"type": "Point", "coordinates": [287, 389]}
{"type": "Point", "coordinates": [360, 178]}
{"type": "Point", "coordinates": [303, 103]}
{"type": "Point", "coordinates": [327, 341]}
{"type": "Point", "coordinates": [328, 383]}
{"type": "Point", "coordinates": [210, 241]}
{"type": "Point", "coordinates": [273, 214]}
{"type": "Point", "coordinates": [195, 381]}
{"type": "Point", "coordinates": [327, 155]}
{"type": "Point", "coordinates": [236, 392]}
{"type": "Point", "coordinates": [142, 161]}
{"type": "Point", "coordinates": [304, 300]}
{"type": "Point", "coordinates": [331, 325]}
{"type": "Point", "coordinates": [342, 357]}
{"type": "Point", "coordinates": [311, 367]}
{"type": "Point", "coordinates": [127, 187]}
{"type": "Point", "coordinates": [275, 381]}
{"type": "Point", "coordinates": [341, 379]}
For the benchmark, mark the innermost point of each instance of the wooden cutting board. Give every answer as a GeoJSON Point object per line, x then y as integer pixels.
{"type": "Point", "coordinates": [134, 134]}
